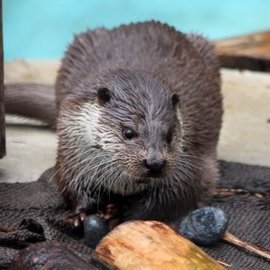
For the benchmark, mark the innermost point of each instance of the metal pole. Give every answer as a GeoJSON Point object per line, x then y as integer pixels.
{"type": "Point", "coordinates": [2, 105]}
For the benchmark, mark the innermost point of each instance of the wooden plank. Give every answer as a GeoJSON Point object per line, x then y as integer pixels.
{"type": "Point", "coordinates": [53, 255]}
{"type": "Point", "coordinates": [245, 52]}
{"type": "Point", "coordinates": [151, 245]}
{"type": "Point", "coordinates": [2, 107]}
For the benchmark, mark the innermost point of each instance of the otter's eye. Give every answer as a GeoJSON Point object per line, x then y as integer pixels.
{"type": "Point", "coordinates": [128, 133]}
{"type": "Point", "coordinates": [169, 137]}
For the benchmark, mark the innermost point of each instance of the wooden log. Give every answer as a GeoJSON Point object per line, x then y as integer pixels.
{"type": "Point", "coordinates": [245, 52]}
{"type": "Point", "coordinates": [151, 245]}
{"type": "Point", "coordinates": [2, 108]}
{"type": "Point", "coordinates": [48, 255]}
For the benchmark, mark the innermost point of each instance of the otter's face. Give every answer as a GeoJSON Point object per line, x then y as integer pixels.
{"type": "Point", "coordinates": [139, 127]}
{"type": "Point", "coordinates": [149, 147]}
{"type": "Point", "coordinates": [124, 132]}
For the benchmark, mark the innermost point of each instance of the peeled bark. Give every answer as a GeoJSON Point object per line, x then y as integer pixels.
{"type": "Point", "coordinates": [151, 245]}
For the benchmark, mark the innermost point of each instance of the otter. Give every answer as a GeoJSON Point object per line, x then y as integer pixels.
{"type": "Point", "coordinates": [138, 111]}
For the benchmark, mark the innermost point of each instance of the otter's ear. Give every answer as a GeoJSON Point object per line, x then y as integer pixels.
{"type": "Point", "coordinates": [175, 100]}
{"type": "Point", "coordinates": [103, 95]}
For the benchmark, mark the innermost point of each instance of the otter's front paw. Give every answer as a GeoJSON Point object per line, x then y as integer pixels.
{"type": "Point", "coordinates": [111, 215]}
{"type": "Point", "coordinates": [77, 218]}
{"type": "Point", "coordinates": [82, 207]}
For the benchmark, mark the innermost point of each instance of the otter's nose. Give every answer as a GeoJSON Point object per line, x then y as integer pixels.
{"type": "Point", "coordinates": [154, 166]}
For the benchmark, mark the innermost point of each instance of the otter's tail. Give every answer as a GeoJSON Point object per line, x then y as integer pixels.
{"type": "Point", "coordinates": [31, 100]}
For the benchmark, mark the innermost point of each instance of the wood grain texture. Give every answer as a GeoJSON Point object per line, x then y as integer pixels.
{"type": "Point", "coordinates": [245, 52]}
{"type": "Point", "coordinates": [151, 245]}
{"type": "Point", "coordinates": [2, 107]}
{"type": "Point", "coordinates": [48, 255]}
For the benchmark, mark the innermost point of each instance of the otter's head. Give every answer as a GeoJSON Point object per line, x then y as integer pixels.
{"type": "Point", "coordinates": [129, 120]}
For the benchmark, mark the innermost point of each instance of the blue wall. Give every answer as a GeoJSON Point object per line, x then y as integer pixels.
{"type": "Point", "coordinates": [41, 29]}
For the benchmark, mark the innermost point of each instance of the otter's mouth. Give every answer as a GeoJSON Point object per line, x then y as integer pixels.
{"type": "Point", "coordinates": [153, 174]}
{"type": "Point", "coordinates": [142, 181]}
{"type": "Point", "coordinates": [148, 178]}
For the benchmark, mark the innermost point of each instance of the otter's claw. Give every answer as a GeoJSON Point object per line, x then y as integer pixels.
{"type": "Point", "coordinates": [77, 219]}
{"type": "Point", "coordinates": [111, 215]}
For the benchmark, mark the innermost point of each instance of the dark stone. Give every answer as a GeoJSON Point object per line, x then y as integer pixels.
{"type": "Point", "coordinates": [95, 228]}
{"type": "Point", "coordinates": [204, 226]}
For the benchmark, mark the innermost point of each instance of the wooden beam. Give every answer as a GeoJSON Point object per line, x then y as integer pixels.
{"type": "Point", "coordinates": [151, 245]}
{"type": "Point", "coordinates": [2, 106]}
{"type": "Point", "coordinates": [245, 52]}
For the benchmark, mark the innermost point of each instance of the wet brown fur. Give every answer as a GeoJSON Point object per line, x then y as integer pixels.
{"type": "Point", "coordinates": [183, 64]}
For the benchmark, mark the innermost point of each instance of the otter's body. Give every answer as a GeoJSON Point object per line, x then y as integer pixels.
{"type": "Point", "coordinates": [139, 112]}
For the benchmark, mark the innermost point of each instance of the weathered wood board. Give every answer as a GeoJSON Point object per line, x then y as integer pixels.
{"type": "Point", "coordinates": [151, 245]}
{"type": "Point", "coordinates": [245, 52]}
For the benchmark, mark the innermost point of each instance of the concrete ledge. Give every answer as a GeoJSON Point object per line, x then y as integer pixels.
{"type": "Point", "coordinates": [245, 136]}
